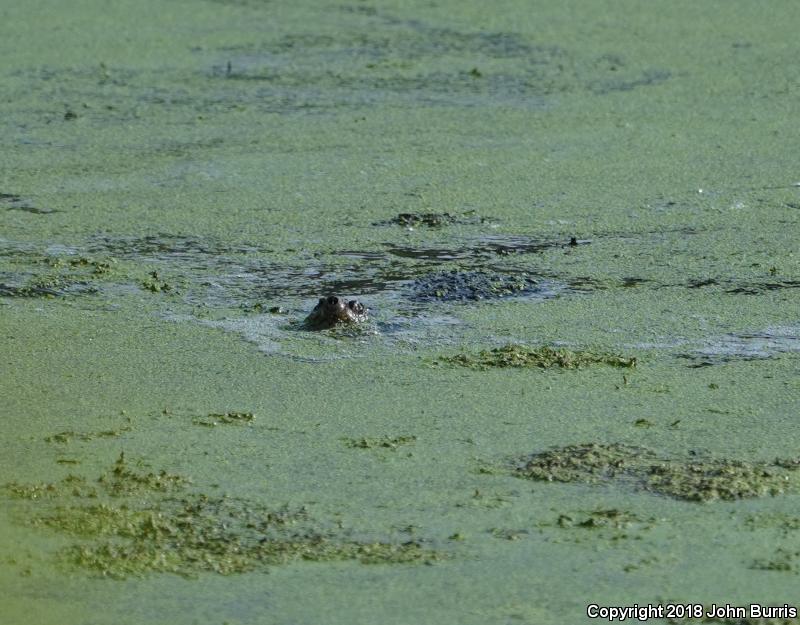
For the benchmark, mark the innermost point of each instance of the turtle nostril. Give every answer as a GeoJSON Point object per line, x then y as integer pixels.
{"type": "Point", "coordinates": [333, 300]}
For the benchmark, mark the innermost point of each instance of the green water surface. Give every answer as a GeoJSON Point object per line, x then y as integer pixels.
{"type": "Point", "coordinates": [171, 170]}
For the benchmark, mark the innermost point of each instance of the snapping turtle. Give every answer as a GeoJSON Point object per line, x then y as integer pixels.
{"type": "Point", "coordinates": [331, 311]}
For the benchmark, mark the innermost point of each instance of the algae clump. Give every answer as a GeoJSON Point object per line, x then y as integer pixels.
{"type": "Point", "coordinates": [464, 286]}
{"type": "Point", "coordinates": [544, 357]}
{"type": "Point", "coordinates": [384, 442]}
{"type": "Point", "coordinates": [135, 523]}
{"type": "Point", "coordinates": [691, 479]}
{"type": "Point", "coordinates": [227, 418]}
{"type": "Point", "coordinates": [67, 436]}
{"type": "Point", "coordinates": [66, 276]}
{"type": "Point", "coordinates": [432, 220]}
{"type": "Point", "coordinates": [156, 284]}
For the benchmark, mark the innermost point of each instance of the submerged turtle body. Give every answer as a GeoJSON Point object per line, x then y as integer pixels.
{"type": "Point", "coordinates": [455, 286]}
{"type": "Point", "coordinates": [332, 311]}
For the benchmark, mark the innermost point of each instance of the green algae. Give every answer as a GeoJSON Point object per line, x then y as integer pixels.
{"type": "Point", "coordinates": [97, 267]}
{"type": "Point", "coordinates": [196, 553]}
{"type": "Point", "coordinates": [691, 479]}
{"type": "Point", "coordinates": [783, 560]}
{"type": "Point", "coordinates": [716, 479]}
{"type": "Point", "coordinates": [579, 463]}
{"type": "Point", "coordinates": [74, 485]}
{"type": "Point", "coordinates": [613, 526]}
{"type": "Point", "coordinates": [603, 518]}
{"type": "Point", "coordinates": [586, 119]}
{"type": "Point", "coordinates": [47, 287]}
{"type": "Point", "coordinates": [504, 533]}
{"type": "Point", "coordinates": [608, 524]}
{"type": "Point", "coordinates": [135, 523]}
{"type": "Point", "coordinates": [784, 522]}
{"type": "Point", "coordinates": [124, 480]}
{"type": "Point", "coordinates": [196, 534]}
{"type": "Point", "coordinates": [68, 436]}
{"type": "Point", "coordinates": [31, 491]}
{"type": "Point", "coordinates": [432, 220]}
{"type": "Point", "coordinates": [783, 555]}
{"type": "Point", "coordinates": [545, 357]}
{"type": "Point", "coordinates": [156, 284]}
{"type": "Point", "coordinates": [471, 286]}
{"type": "Point", "coordinates": [383, 442]}
{"type": "Point", "coordinates": [214, 419]}
{"type": "Point", "coordinates": [65, 276]}
{"type": "Point", "coordinates": [259, 308]}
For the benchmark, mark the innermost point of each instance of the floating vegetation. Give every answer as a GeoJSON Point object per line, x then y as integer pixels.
{"type": "Point", "coordinates": [384, 442]}
{"type": "Point", "coordinates": [123, 480]}
{"type": "Point", "coordinates": [514, 71]}
{"type": "Point", "coordinates": [66, 276]}
{"type": "Point", "coordinates": [31, 491]}
{"type": "Point", "coordinates": [759, 288]}
{"type": "Point", "coordinates": [486, 247]}
{"type": "Point", "coordinates": [508, 534]}
{"type": "Point", "coordinates": [783, 560]}
{"type": "Point", "coordinates": [68, 435]}
{"type": "Point", "coordinates": [691, 479]}
{"type": "Point", "coordinates": [776, 520]}
{"type": "Point", "coordinates": [587, 463]}
{"type": "Point", "coordinates": [760, 345]}
{"type": "Point", "coordinates": [14, 202]}
{"type": "Point", "coordinates": [432, 220]}
{"type": "Point", "coordinates": [213, 419]}
{"type": "Point", "coordinates": [413, 220]}
{"type": "Point", "coordinates": [715, 479]}
{"type": "Point", "coordinates": [28, 290]}
{"type": "Point", "coordinates": [606, 523]}
{"type": "Point", "coordinates": [259, 308]}
{"type": "Point", "coordinates": [601, 518]}
{"type": "Point", "coordinates": [155, 284]}
{"type": "Point", "coordinates": [472, 285]}
{"type": "Point", "coordinates": [536, 357]}
{"type": "Point", "coordinates": [133, 523]}
{"type": "Point", "coordinates": [97, 267]}
{"type": "Point", "coordinates": [165, 245]}
{"type": "Point", "coordinates": [47, 286]}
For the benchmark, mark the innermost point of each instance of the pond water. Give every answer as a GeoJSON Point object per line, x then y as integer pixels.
{"type": "Point", "coordinates": [181, 181]}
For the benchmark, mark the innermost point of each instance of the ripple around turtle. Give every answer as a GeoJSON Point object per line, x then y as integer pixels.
{"type": "Point", "coordinates": [397, 324]}
{"type": "Point", "coordinates": [404, 314]}
{"type": "Point", "coordinates": [413, 303]}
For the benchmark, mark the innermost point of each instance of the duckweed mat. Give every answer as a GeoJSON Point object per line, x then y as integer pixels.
{"type": "Point", "coordinates": [691, 478]}
{"type": "Point", "coordinates": [133, 523]}
{"type": "Point", "coordinates": [521, 356]}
